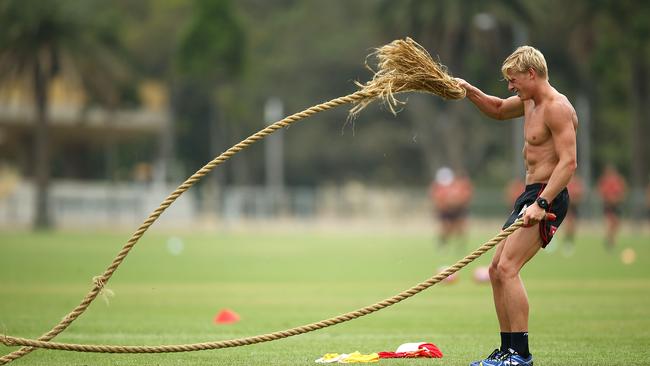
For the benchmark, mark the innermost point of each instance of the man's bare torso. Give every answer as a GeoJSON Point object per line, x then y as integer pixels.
{"type": "Point", "coordinates": [539, 151]}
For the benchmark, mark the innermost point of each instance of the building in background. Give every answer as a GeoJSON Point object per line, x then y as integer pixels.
{"type": "Point", "coordinates": [94, 150]}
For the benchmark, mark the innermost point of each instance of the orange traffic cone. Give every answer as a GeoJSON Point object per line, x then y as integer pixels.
{"type": "Point", "coordinates": [226, 316]}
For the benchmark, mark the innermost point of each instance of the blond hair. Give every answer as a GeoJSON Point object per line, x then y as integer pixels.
{"type": "Point", "coordinates": [523, 59]}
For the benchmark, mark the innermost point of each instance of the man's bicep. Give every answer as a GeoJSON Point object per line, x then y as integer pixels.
{"type": "Point", "coordinates": [511, 107]}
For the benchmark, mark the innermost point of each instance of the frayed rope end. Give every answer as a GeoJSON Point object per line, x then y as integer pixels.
{"type": "Point", "coordinates": [405, 66]}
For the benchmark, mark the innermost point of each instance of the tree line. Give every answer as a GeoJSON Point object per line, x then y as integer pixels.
{"type": "Point", "coordinates": [222, 60]}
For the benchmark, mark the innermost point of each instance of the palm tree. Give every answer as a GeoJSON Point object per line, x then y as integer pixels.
{"type": "Point", "coordinates": [41, 40]}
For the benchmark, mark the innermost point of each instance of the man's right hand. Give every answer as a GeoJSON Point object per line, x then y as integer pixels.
{"type": "Point", "coordinates": [463, 84]}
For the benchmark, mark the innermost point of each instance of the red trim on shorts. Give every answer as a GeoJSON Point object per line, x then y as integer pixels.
{"type": "Point", "coordinates": [542, 231]}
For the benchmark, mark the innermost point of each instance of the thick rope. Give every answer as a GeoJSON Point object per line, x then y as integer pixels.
{"type": "Point", "coordinates": [100, 281]}
{"type": "Point", "coordinates": [404, 66]}
{"type": "Point", "coordinates": [17, 341]}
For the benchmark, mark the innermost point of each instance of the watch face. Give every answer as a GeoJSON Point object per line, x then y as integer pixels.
{"type": "Point", "coordinates": [542, 203]}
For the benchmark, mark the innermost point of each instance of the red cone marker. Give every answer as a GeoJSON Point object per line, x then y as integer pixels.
{"type": "Point", "coordinates": [226, 316]}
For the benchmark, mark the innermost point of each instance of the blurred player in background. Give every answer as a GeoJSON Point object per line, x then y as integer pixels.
{"type": "Point", "coordinates": [451, 195]}
{"type": "Point", "coordinates": [462, 193]}
{"type": "Point", "coordinates": [612, 189]}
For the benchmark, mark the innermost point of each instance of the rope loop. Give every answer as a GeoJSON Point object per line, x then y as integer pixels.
{"type": "Point", "coordinates": [403, 65]}
{"type": "Point", "coordinates": [104, 291]}
{"type": "Point", "coordinates": [12, 341]}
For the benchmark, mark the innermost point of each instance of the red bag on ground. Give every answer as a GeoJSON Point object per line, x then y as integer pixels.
{"type": "Point", "coordinates": [414, 350]}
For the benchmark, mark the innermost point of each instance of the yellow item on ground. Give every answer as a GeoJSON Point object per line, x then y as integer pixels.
{"type": "Point", "coordinates": [354, 357]}
{"type": "Point", "coordinates": [357, 357]}
{"type": "Point", "coordinates": [331, 358]}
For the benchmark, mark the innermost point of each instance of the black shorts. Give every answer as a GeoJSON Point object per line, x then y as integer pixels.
{"type": "Point", "coordinates": [612, 209]}
{"type": "Point", "coordinates": [559, 206]}
{"type": "Point", "coordinates": [452, 214]}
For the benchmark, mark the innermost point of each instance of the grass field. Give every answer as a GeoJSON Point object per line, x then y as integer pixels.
{"type": "Point", "coordinates": [589, 309]}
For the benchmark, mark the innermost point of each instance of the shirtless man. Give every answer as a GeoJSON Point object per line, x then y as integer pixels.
{"type": "Point", "coordinates": [550, 125]}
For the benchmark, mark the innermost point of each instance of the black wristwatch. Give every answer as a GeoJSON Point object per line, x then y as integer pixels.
{"type": "Point", "coordinates": [543, 203]}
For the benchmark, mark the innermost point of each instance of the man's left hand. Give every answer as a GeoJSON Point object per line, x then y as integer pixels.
{"type": "Point", "coordinates": [533, 215]}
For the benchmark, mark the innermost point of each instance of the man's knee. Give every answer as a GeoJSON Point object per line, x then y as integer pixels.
{"type": "Point", "coordinates": [503, 270]}
{"type": "Point", "coordinates": [495, 275]}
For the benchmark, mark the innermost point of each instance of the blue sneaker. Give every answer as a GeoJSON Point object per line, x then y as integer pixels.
{"type": "Point", "coordinates": [492, 360]}
{"type": "Point", "coordinates": [512, 358]}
